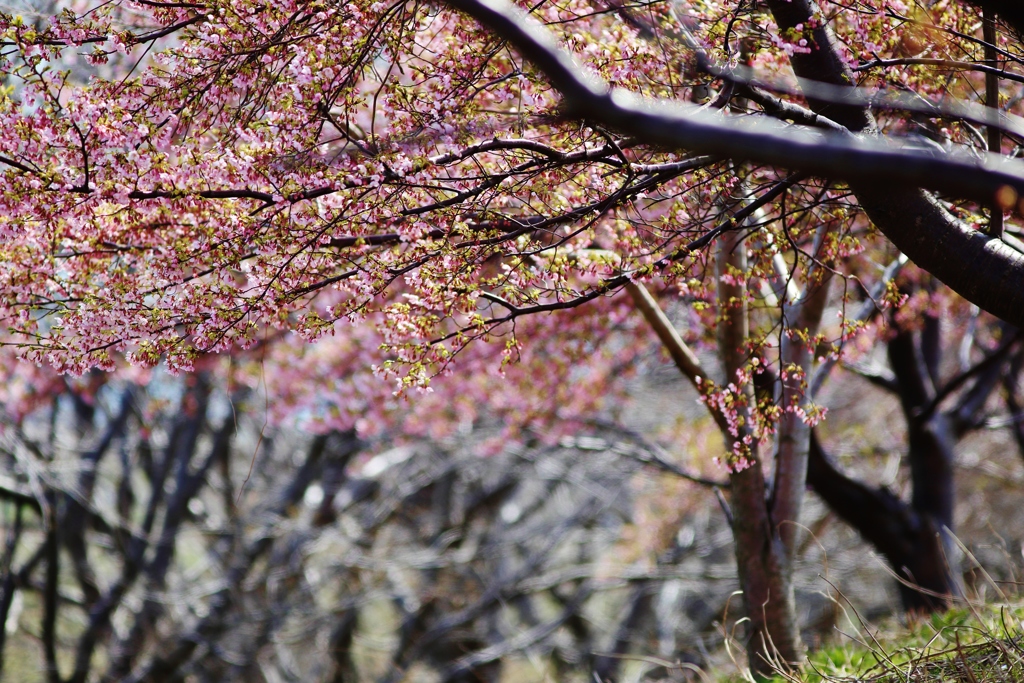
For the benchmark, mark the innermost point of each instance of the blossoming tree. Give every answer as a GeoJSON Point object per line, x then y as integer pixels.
{"type": "Point", "coordinates": [450, 185]}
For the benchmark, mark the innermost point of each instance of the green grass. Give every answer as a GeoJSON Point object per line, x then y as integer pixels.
{"type": "Point", "coordinates": [974, 644]}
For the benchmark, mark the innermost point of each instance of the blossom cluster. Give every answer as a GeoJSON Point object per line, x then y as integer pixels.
{"type": "Point", "coordinates": [394, 185]}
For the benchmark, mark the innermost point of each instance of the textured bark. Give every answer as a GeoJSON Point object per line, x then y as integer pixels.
{"type": "Point", "coordinates": [765, 577]}
{"type": "Point", "coordinates": [822, 64]}
{"type": "Point", "coordinates": [983, 270]}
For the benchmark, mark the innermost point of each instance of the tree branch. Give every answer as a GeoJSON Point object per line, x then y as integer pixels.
{"type": "Point", "coordinates": [983, 270]}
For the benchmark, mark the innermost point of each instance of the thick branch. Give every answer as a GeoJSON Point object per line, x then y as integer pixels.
{"type": "Point", "coordinates": [905, 537]}
{"type": "Point", "coordinates": [681, 355]}
{"type": "Point", "coordinates": [983, 270]}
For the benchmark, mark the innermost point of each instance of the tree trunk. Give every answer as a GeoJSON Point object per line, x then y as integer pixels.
{"type": "Point", "coordinates": [772, 636]}
{"type": "Point", "coordinates": [915, 538]}
{"type": "Point", "coordinates": [763, 565]}
{"type": "Point", "coordinates": [793, 433]}
{"type": "Point", "coordinates": [910, 541]}
{"type": "Point", "coordinates": [931, 440]}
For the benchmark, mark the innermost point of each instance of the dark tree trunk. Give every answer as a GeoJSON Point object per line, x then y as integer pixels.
{"type": "Point", "coordinates": [910, 541]}
{"type": "Point", "coordinates": [915, 538]}
{"type": "Point", "coordinates": [930, 437]}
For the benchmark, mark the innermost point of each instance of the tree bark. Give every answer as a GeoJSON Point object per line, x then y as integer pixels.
{"type": "Point", "coordinates": [969, 262]}
{"type": "Point", "coordinates": [761, 557]}
{"type": "Point", "coordinates": [930, 440]}
{"type": "Point", "coordinates": [793, 440]}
